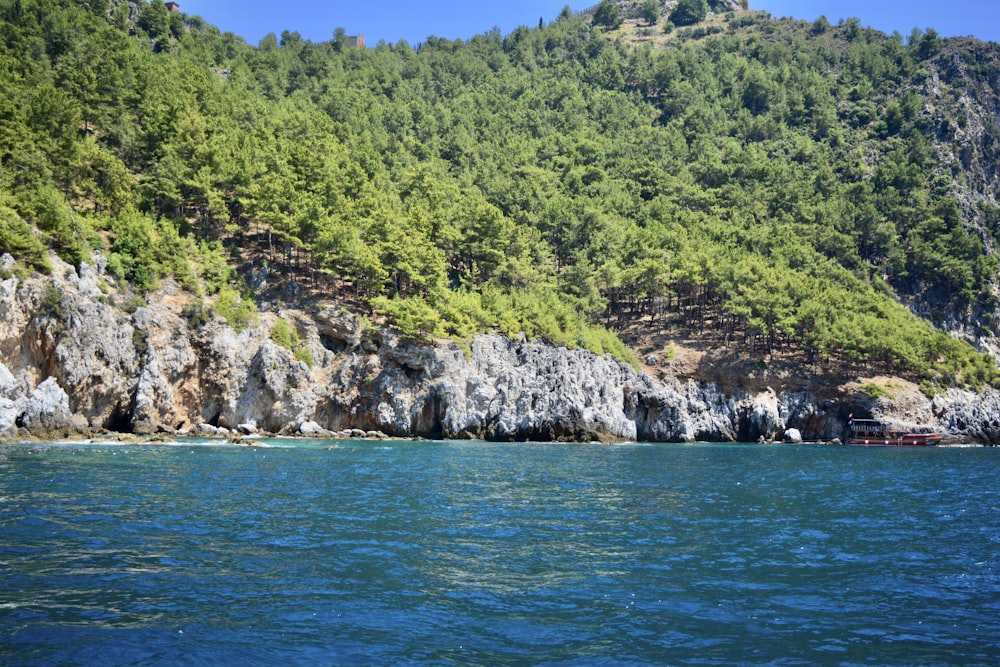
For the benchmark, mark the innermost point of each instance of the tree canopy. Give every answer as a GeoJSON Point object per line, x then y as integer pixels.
{"type": "Point", "coordinates": [651, 11]}
{"type": "Point", "coordinates": [689, 12]}
{"type": "Point", "coordinates": [608, 15]}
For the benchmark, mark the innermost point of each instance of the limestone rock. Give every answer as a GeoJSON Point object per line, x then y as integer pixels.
{"type": "Point", "coordinates": [248, 428]}
{"type": "Point", "coordinates": [55, 330]}
{"type": "Point", "coordinates": [515, 390]}
{"type": "Point", "coordinates": [312, 429]}
{"type": "Point", "coordinates": [337, 326]}
{"type": "Point", "coordinates": [762, 419]}
{"type": "Point", "coordinates": [167, 384]}
{"type": "Point", "coordinates": [802, 410]}
{"type": "Point", "coordinates": [9, 386]}
{"type": "Point", "coordinates": [208, 429]}
{"type": "Point", "coordinates": [13, 315]}
{"type": "Point", "coordinates": [970, 417]}
{"type": "Point", "coordinates": [793, 435]}
{"type": "Point", "coordinates": [48, 409]}
{"type": "Point", "coordinates": [10, 412]}
{"type": "Point", "coordinates": [68, 356]}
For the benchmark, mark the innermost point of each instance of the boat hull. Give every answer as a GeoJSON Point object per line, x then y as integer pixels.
{"type": "Point", "coordinates": [905, 440]}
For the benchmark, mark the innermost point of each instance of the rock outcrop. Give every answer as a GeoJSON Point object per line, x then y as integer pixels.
{"type": "Point", "coordinates": [71, 361]}
{"type": "Point", "coordinates": [969, 417]}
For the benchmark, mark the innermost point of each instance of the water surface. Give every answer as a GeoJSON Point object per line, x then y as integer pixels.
{"type": "Point", "coordinates": [478, 553]}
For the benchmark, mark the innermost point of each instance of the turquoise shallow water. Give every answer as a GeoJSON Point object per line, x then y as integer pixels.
{"type": "Point", "coordinates": [478, 553]}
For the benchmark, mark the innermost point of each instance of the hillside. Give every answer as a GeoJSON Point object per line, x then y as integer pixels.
{"type": "Point", "coordinates": [777, 194]}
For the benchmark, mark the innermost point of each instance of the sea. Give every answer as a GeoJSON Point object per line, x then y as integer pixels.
{"type": "Point", "coordinates": [337, 552]}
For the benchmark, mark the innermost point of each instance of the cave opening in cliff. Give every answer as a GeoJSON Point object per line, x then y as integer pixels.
{"type": "Point", "coordinates": [119, 421]}
{"type": "Point", "coordinates": [332, 344]}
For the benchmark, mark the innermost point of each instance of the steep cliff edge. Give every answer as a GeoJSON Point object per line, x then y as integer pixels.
{"type": "Point", "coordinates": [72, 361]}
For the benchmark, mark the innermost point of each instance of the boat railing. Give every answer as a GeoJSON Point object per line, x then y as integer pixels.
{"type": "Point", "coordinates": [868, 426]}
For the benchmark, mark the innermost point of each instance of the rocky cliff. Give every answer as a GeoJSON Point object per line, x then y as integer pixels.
{"type": "Point", "coordinates": [72, 361]}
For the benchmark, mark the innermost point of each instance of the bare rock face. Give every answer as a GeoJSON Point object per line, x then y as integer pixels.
{"type": "Point", "coordinates": [632, 9]}
{"type": "Point", "coordinates": [48, 410]}
{"type": "Point", "coordinates": [336, 329]}
{"type": "Point", "coordinates": [761, 418]}
{"type": "Point", "coordinates": [13, 316]}
{"type": "Point", "coordinates": [520, 390]}
{"type": "Point", "coordinates": [802, 411]}
{"type": "Point", "coordinates": [71, 360]}
{"type": "Point", "coordinates": [680, 413]}
{"type": "Point", "coordinates": [244, 377]}
{"type": "Point", "coordinates": [167, 382]}
{"type": "Point", "coordinates": [276, 395]}
{"type": "Point", "coordinates": [60, 328]}
{"type": "Point", "coordinates": [95, 349]}
{"type": "Point", "coordinates": [970, 417]}
{"type": "Point", "coordinates": [731, 5]}
{"type": "Point", "coordinates": [13, 403]}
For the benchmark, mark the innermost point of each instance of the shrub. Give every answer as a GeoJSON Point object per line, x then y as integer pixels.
{"type": "Point", "coordinates": [140, 341]}
{"type": "Point", "coordinates": [52, 302]}
{"type": "Point", "coordinates": [304, 354]}
{"type": "Point", "coordinates": [237, 311]}
{"type": "Point", "coordinates": [197, 315]}
{"type": "Point", "coordinates": [284, 334]}
{"type": "Point", "coordinates": [689, 12]}
{"type": "Point", "coordinates": [874, 391]}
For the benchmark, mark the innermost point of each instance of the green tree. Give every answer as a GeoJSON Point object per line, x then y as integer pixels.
{"type": "Point", "coordinates": [651, 11]}
{"type": "Point", "coordinates": [820, 25]}
{"type": "Point", "coordinates": [154, 18]}
{"type": "Point", "coordinates": [608, 15]}
{"type": "Point", "coordinates": [689, 12]}
{"type": "Point", "coordinates": [20, 240]}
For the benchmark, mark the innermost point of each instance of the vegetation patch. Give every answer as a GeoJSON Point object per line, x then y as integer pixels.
{"type": "Point", "coordinates": [874, 391]}
{"type": "Point", "coordinates": [285, 334]}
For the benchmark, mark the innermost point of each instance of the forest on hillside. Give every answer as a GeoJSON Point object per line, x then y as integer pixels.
{"type": "Point", "coordinates": [775, 181]}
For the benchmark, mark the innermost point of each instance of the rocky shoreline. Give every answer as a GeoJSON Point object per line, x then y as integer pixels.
{"type": "Point", "coordinates": [72, 361]}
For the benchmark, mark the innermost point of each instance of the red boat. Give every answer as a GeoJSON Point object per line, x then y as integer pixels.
{"type": "Point", "coordinates": [874, 433]}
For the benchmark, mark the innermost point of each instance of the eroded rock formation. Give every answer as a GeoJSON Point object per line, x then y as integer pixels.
{"type": "Point", "coordinates": [70, 360]}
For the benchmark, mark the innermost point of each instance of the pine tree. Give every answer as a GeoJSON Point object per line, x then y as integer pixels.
{"type": "Point", "coordinates": [651, 11]}
{"type": "Point", "coordinates": [689, 12]}
{"type": "Point", "coordinates": [608, 15]}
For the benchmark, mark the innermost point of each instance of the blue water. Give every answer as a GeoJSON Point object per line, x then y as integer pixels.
{"type": "Point", "coordinates": [477, 553]}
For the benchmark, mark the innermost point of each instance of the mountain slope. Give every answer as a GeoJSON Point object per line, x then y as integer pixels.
{"type": "Point", "coordinates": [810, 194]}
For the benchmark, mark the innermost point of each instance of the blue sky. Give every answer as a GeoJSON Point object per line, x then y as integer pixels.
{"type": "Point", "coordinates": [414, 21]}
{"type": "Point", "coordinates": [951, 18]}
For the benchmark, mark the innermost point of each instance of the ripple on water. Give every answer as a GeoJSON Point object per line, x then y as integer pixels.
{"type": "Point", "coordinates": [476, 553]}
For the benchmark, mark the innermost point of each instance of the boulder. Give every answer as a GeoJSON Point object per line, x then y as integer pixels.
{"type": "Point", "coordinates": [247, 428]}
{"type": "Point", "coordinates": [48, 409]}
{"type": "Point", "coordinates": [334, 325]}
{"type": "Point", "coordinates": [312, 429]}
{"type": "Point", "coordinates": [208, 429]}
